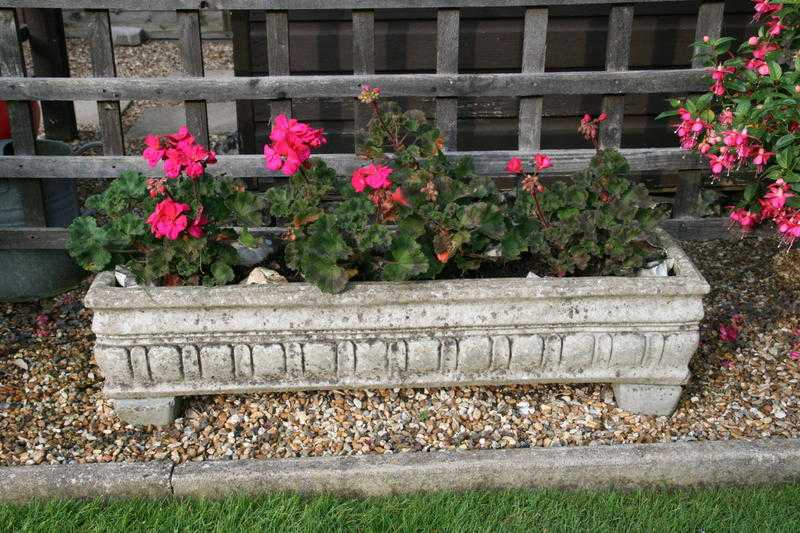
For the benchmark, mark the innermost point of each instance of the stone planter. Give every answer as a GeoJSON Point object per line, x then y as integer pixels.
{"type": "Point", "coordinates": [156, 344]}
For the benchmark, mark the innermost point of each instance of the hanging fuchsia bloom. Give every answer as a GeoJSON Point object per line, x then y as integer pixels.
{"type": "Point", "coordinates": [746, 219]}
{"type": "Point", "coordinates": [718, 74]}
{"type": "Point", "coordinates": [726, 117]}
{"type": "Point", "coordinates": [374, 176]}
{"type": "Point", "coordinates": [763, 8]}
{"type": "Point", "coordinates": [168, 219]}
{"type": "Point", "coordinates": [541, 162]}
{"type": "Point", "coordinates": [777, 194]}
{"type": "Point", "coordinates": [788, 222]}
{"type": "Point", "coordinates": [761, 158]}
{"type": "Point", "coordinates": [291, 146]}
{"type": "Point", "coordinates": [775, 26]}
{"type": "Point", "coordinates": [514, 165]}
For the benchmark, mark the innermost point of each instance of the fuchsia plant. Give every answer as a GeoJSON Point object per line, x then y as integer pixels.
{"type": "Point", "coordinates": [749, 119]}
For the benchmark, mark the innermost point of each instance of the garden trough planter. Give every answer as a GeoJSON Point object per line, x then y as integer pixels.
{"type": "Point", "coordinates": [160, 343]}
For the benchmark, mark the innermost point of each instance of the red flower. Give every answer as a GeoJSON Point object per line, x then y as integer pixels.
{"type": "Point", "coordinates": [292, 142]}
{"type": "Point", "coordinates": [399, 198]}
{"type": "Point", "coordinates": [168, 219]}
{"type": "Point", "coordinates": [200, 220]}
{"type": "Point", "coordinates": [374, 176]}
{"type": "Point", "coordinates": [514, 165]}
{"type": "Point", "coordinates": [443, 257]}
{"type": "Point", "coordinates": [728, 332]}
{"type": "Point", "coordinates": [541, 162]}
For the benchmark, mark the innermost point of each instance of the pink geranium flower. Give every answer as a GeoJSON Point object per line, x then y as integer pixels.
{"type": "Point", "coordinates": [196, 228]}
{"type": "Point", "coordinates": [168, 219]}
{"type": "Point", "coordinates": [153, 153]}
{"type": "Point", "coordinates": [292, 142]}
{"type": "Point", "coordinates": [514, 165]}
{"type": "Point", "coordinates": [374, 176]}
{"type": "Point", "coordinates": [542, 162]}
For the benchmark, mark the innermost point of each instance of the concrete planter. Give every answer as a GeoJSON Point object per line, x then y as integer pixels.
{"type": "Point", "coordinates": [155, 344]}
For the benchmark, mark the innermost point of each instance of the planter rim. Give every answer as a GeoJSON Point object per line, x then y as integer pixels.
{"type": "Point", "coordinates": [687, 281]}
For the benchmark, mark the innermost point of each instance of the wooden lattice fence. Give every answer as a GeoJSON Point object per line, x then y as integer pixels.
{"type": "Point", "coordinates": [280, 87]}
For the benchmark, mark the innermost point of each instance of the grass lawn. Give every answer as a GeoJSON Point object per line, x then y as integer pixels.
{"type": "Point", "coordinates": [747, 510]}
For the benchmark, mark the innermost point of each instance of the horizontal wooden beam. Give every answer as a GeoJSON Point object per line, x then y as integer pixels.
{"type": "Point", "coordinates": [280, 87]}
{"type": "Point", "coordinates": [171, 5]}
{"type": "Point", "coordinates": [697, 229]}
{"type": "Point", "coordinates": [565, 162]}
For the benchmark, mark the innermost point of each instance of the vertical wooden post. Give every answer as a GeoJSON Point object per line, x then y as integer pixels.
{"type": "Point", "coordinates": [363, 63]}
{"type": "Point", "coordinates": [618, 51]}
{"type": "Point", "coordinates": [278, 55]}
{"type": "Point", "coordinates": [104, 66]}
{"type": "Point", "coordinates": [50, 60]}
{"type": "Point", "coordinates": [687, 202]}
{"type": "Point", "coordinates": [534, 46]}
{"type": "Point", "coordinates": [242, 66]}
{"type": "Point", "coordinates": [191, 46]}
{"type": "Point", "coordinates": [448, 23]}
{"type": "Point", "coordinates": [20, 117]}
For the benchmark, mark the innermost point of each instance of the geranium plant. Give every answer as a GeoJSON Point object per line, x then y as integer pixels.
{"type": "Point", "coordinates": [411, 212]}
{"type": "Point", "coordinates": [173, 230]}
{"type": "Point", "coordinates": [749, 120]}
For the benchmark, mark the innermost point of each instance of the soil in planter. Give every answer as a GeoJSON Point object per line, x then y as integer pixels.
{"type": "Point", "coordinates": [517, 269]}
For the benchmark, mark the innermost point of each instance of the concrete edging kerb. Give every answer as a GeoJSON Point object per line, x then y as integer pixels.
{"type": "Point", "coordinates": [627, 466]}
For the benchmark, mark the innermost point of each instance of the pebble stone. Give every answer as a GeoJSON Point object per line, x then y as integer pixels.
{"type": "Point", "coordinates": [53, 411]}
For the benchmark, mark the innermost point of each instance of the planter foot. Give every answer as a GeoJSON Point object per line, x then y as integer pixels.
{"type": "Point", "coordinates": [148, 412]}
{"type": "Point", "coordinates": [647, 399]}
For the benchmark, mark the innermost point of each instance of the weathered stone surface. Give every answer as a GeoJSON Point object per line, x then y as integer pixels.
{"type": "Point", "coordinates": [628, 466]}
{"type": "Point", "coordinates": [650, 399]}
{"type": "Point", "coordinates": [172, 341]}
{"type": "Point", "coordinates": [84, 481]}
{"type": "Point", "coordinates": [150, 411]}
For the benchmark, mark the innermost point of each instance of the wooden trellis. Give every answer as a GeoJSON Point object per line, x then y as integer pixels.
{"type": "Point", "coordinates": [446, 85]}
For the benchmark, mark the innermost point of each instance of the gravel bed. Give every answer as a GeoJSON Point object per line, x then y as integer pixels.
{"type": "Point", "coordinates": [52, 410]}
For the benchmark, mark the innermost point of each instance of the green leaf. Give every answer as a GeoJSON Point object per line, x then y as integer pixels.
{"type": "Point", "coordinates": [87, 244]}
{"type": "Point", "coordinates": [248, 239]}
{"type": "Point", "coordinates": [785, 141]}
{"type": "Point", "coordinates": [775, 71]}
{"type": "Point", "coordinates": [406, 259]}
{"type": "Point", "coordinates": [666, 114]}
{"type": "Point", "coordinates": [222, 272]}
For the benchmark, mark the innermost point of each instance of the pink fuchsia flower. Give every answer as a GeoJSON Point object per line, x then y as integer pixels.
{"type": "Point", "coordinates": [514, 165]}
{"type": "Point", "coordinates": [726, 117]}
{"type": "Point", "coordinates": [763, 8]}
{"type": "Point", "coordinates": [728, 332]}
{"type": "Point", "coordinates": [168, 219]}
{"type": "Point", "coordinates": [764, 49]}
{"type": "Point", "coordinates": [196, 227]}
{"type": "Point", "coordinates": [775, 26]}
{"type": "Point", "coordinates": [788, 223]}
{"type": "Point", "coordinates": [541, 162]}
{"type": "Point", "coordinates": [747, 220]}
{"type": "Point", "coordinates": [761, 158]}
{"type": "Point", "coordinates": [374, 176]}
{"type": "Point", "coordinates": [794, 355]}
{"type": "Point", "coordinates": [718, 74]}
{"type": "Point", "coordinates": [777, 194]}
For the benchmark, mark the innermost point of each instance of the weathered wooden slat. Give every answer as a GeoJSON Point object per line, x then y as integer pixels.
{"type": "Point", "coordinates": [104, 66]}
{"type": "Point", "coordinates": [13, 64]}
{"type": "Point", "coordinates": [618, 52]}
{"type": "Point", "coordinates": [709, 22]}
{"type": "Point", "coordinates": [492, 163]}
{"type": "Point", "coordinates": [339, 86]}
{"type": "Point", "coordinates": [363, 62]}
{"type": "Point", "coordinates": [278, 56]}
{"type": "Point", "coordinates": [534, 47]}
{"type": "Point", "coordinates": [447, 63]}
{"type": "Point", "coordinates": [172, 5]}
{"type": "Point", "coordinates": [191, 49]}
{"type": "Point", "coordinates": [689, 191]}
{"type": "Point", "coordinates": [33, 238]}
{"type": "Point", "coordinates": [702, 229]}
{"type": "Point", "coordinates": [50, 58]}
{"type": "Point", "coordinates": [242, 60]}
